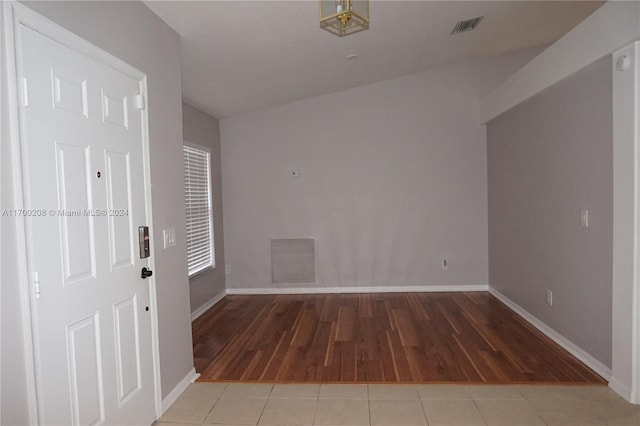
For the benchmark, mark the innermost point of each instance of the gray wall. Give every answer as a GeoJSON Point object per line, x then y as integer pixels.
{"type": "Point", "coordinates": [549, 158]}
{"type": "Point", "coordinates": [202, 129]}
{"type": "Point", "coordinates": [130, 31]}
{"type": "Point", "coordinates": [392, 180]}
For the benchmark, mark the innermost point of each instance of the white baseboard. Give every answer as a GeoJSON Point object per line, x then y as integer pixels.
{"type": "Point", "coordinates": [623, 390]}
{"type": "Point", "coordinates": [204, 308]}
{"type": "Point", "coordinates": [385, 289]}
{"type": "Point", "coordinates": [572, 348]}
{"type": "Point", "coordinates": [191, 377]}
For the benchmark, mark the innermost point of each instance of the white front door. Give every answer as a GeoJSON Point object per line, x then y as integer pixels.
{"type": "Point", "coordinates": [82, 147]}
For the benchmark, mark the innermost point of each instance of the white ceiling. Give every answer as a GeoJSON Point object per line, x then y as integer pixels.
{"type": "Point", "coordinates": [239, 56]}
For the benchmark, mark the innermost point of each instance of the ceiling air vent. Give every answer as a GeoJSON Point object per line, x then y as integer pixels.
{"type": "Point", "coordinates": [466, 25]}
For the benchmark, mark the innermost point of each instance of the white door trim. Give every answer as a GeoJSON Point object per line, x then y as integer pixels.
{"type": "Point", "coordinates": [625, 378]}
{"type": "Point", "coordinates": [13, 124]}
{"type": "Point", "coordinates": [16, 14]}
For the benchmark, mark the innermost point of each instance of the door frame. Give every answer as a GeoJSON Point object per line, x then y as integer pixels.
{"type": "Point", "coordinates": [16, 14]}
{"type": "Point", "coordinates": [625, 377]}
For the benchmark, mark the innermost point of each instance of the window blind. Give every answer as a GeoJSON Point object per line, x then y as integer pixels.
{"type": "Point", "coordinates": [200, 252]}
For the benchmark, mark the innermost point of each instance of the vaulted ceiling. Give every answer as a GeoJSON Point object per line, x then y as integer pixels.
{"type": "Point", "coordinates": [239, 56]}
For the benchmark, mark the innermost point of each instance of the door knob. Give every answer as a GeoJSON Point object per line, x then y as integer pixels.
{"type": "Point", "coordinates": [146, 273]}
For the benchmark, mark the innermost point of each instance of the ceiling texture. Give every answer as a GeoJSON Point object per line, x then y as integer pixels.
{"type": "Point", "coordinates": [240, 56]}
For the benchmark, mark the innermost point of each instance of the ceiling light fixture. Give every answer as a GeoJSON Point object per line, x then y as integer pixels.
{"type": "Point", "coordinates": [344, 17]}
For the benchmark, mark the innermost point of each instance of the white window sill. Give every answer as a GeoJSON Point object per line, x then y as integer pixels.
{"type": "Point", "coordinates": [201, 272]}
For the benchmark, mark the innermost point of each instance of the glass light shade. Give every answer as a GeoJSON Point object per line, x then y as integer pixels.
{"type": "Point", "coordinates": [344, 17]}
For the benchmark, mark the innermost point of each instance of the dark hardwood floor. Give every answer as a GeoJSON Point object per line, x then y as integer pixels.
{"type": "Point", "coordinates": [376, 338]}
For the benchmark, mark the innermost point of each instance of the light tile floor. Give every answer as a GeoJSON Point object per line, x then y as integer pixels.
{"type": "Point", "coordinates": [399, 405]}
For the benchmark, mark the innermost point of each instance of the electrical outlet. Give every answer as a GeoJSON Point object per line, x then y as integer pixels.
{"type": "Point", "coordinates": [227, 269]}
{"type": "Point", "coordinates": [549, 298]}
{"type": "Point", "coordinates": [445, 265]}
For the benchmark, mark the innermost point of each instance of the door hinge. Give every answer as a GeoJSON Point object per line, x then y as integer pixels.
{"type": "Point", "coordinates": [25, 92]}
{"type": "Point", "coordinates": [36, 285]}
{"type": "Point", "coordinates": [139, 102]}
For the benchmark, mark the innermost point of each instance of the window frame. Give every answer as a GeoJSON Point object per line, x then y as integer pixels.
{"type": "Point", "coordinates": [212, 265]}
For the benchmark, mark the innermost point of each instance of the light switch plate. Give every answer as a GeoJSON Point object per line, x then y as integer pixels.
{"type": "Point", "coordinates": [584, 218]}
{"type": "Point", "coordinates": [169, 237]}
